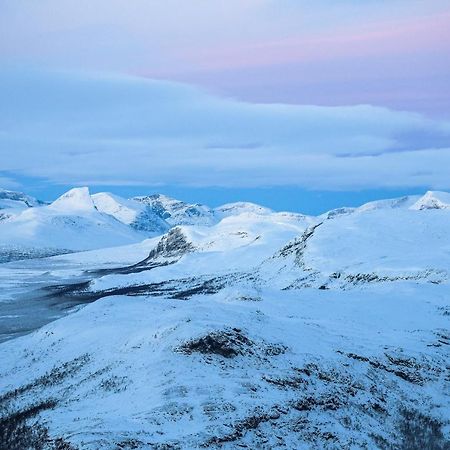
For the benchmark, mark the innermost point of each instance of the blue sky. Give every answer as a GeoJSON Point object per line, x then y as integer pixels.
{"type": "Point", "coordinates": [269, 101]}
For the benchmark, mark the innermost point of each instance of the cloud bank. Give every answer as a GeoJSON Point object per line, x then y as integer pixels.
{"type": "Point", "coordinates": [327, 52]}
{"type": "Point", "coordinates": [103, 129]}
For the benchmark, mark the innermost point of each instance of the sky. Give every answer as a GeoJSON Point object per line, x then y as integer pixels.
{"type": "Point", "coordinates": [296, 104]}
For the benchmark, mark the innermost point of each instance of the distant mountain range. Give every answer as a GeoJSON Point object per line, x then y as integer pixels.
{"type": "Point", "coordinates": [77, 221]}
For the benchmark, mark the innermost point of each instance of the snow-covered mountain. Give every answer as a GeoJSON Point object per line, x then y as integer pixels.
{"type": "Point", "coordinates": [369, 245]}
{"type": "Point", "coordinates": [430, 200]}
{"type": "Point", "coordinates": [255, 329]}
{"type": "Point", "coordinates": [12, 203]}
{"type": "Point", "coordinates": [79, 221]}
{"type": "Point", "coordinates": [130, 212]}
{"type": "Point", "coordinates": [13, 200]}
{"type": "Point", "coordinates": [176, 212]}
{"type": "Point", "coordinates": [392, 203]}
{"type": "Point", "coordinates": [70, 223]}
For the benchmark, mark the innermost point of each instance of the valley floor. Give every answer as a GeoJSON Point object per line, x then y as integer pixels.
{"type": "Point", "coordinates": [24, 302]}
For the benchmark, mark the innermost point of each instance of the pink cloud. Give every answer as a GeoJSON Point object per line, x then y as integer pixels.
{"type": "Point", "coordinates": [387, 38]}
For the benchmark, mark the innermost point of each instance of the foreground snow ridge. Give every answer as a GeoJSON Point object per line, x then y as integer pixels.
{"type": "Point", "coordinates": [182, 326]}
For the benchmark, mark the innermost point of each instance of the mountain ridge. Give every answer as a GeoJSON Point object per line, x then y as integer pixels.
{"type": "Point", "coordinates": [140, 218]}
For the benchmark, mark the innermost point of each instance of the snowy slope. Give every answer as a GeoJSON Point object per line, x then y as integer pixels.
{"type": "Point", "coordinates": [130, 212]}
{"type": "Point", "coordinates": [233, 209]}
{"type": "Point", "coordinates": [369, 245]}
{"type": "Point", "coordinates": [283, 369]}
{"type": "Point", "coordinates": [391, 203]}
{"type": "Point", "coordinates": [77, 200]}
{"type": "Point", "coordinates": [236, 244]}
{"type": "Point", "coordinates": [253, 210]}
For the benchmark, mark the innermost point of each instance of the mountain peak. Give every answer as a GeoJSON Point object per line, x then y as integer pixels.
{"type": "Point", "coordinates": [433, 200]}
{"type": "Point", "coordinates": [77, 199]}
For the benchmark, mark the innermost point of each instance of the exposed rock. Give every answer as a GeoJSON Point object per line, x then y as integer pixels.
{"type": "Point", "coordinates": [173, 244]}
{"type": "Point", "coordinates": [228, 343]}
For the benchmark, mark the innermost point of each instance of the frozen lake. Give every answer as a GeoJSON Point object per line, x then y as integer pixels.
{"type": "Point", "coordinates": [25, 304]}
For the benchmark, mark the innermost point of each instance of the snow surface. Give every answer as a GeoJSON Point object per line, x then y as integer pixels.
{"type": "Point", "coordinates": [241, 207]}
{"type": "Point", "coordinates": [77, 199]}
{"type": "Point", "coordinates": [255, 330]}
{"type": "Point", "coordinates": [124, 210]}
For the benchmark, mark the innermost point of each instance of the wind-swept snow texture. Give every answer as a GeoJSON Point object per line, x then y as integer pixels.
{"type": "Point", "coordinates": [243, 328]}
